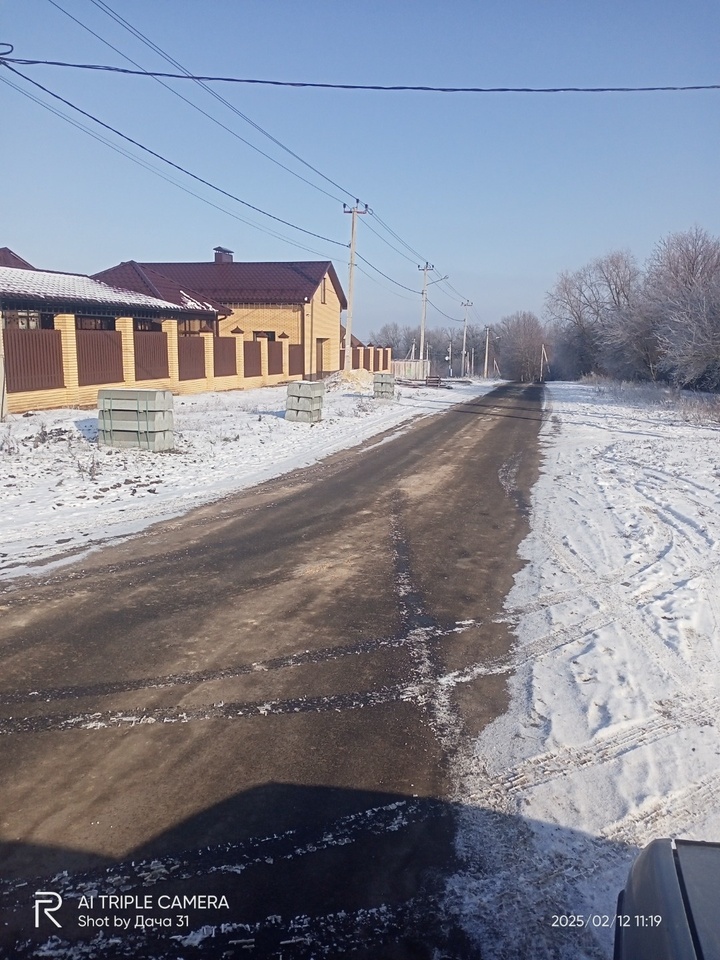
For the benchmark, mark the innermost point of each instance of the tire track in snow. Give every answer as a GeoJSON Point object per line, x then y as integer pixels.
{"type": "Point", "coordinates": [672, 815]}
{"type": "Point", "coordinates": [603, 749]}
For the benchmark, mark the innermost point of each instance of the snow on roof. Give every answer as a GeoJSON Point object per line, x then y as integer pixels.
{"type": "Point", "coordinates": [52, 287]}
{"type": "Point", "coordinates": [191, 304]}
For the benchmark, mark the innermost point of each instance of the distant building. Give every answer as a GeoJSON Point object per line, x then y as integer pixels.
{"type": "Point", "coordinates": [298, 301]}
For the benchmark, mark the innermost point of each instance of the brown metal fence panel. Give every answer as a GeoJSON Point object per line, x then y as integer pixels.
{"type": "Point", "coordinates": [99, 356]}
{"type": "Point", "coordinates": [376, 360]}
{"type": "Point", "coordinates": [151, 356]}
{"type": "Point", "coordinates": [367, 361]}
{"type": "Point", "coordinates": [33, 360]}
{"type": "Point", "coordinates": [253, 364]}
{"type": "Point", "coordinates": [224, 354]}
{"type": "Point", "coordinates": [296, 359]}
{"type": "Point", "coordinates": [342, 359]}
{"type": "Point", "coordinates": [191, 358]}
{"type": "Point", "coordinates": [275, 358]}
{"type": "Point", "coordinates": [356, 358]}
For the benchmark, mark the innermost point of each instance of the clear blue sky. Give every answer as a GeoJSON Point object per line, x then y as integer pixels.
{"type": "Point", "coordinates": [501, 192]}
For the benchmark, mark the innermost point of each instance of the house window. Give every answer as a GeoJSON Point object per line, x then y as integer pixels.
{"type": "Point", "coordinates": [189, 328]}
{"type": "Point", "coordinates": [94, 323]}
{"type": "Point", "coordinates": [264, 335]}
{"type": "Point", "coordinates": [28, 320]}
{"type": "Point", "coordinates": [146, 326]}
{"type": "Point", "coordinates": [323, 291]}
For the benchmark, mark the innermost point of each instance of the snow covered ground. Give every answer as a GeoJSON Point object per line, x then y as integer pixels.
{"type": "Point", "coordinates": [612, 737]}
{"type": "Point", "coordinates": [61, 495]}
{"type": "Point", "coordinates": [612, 734]}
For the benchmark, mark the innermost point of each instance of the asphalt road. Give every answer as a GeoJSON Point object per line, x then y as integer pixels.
{"type": "Point", "coordinates": [248, 703]}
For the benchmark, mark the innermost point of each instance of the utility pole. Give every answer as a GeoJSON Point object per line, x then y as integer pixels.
{"type": "Point", "coordinates": [472, 361]}
{"type": "Point", "coordinates": [463, 364]}
{"type": "Point", "coordinates": [354, 211]}
{"type": "Point", "coordinates": [428, 266]}
{"type": "Point", "coordinates": [487, 351]}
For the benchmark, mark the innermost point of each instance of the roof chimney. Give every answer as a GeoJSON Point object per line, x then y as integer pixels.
{"type": "Point", "coordinates": [223, 255]}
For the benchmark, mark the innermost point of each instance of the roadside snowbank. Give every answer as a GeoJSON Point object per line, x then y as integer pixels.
{"type": "Point", "coordinates": [612, 737]}
{"type": "Point", "coordinates": [60, 494]}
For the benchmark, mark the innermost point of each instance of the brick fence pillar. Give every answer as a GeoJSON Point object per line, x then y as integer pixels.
{"type": "Point", "coordinates": [65, 323]}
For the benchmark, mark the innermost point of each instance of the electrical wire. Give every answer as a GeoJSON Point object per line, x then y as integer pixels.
{"type": "Point", "coordinates": [195, 106]}
{"type": "Point", "coordinates": [447, 317]}
{"type": "Point", "coordinates": [176, 166]}
{"type": "Point", "coordinates": [122, 21]}
{"type": "Point", "coordinates": [272, 233]}
{"type": "Point", "coordinates": [186, 74]}
{"type": "Point", "coordinates": [385, 240]}
{"type": "Point", "coordinates": [384, 286]}
{"type": "Point", "coordinates": [377, 270]}
{"type": "Point", "coordinates": [388, 88]}
{"type": "Point", "coordinates": [163, 176]}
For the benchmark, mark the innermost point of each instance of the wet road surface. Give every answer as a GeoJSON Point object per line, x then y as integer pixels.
{"type": "Point", "coordinates": [249, 715]}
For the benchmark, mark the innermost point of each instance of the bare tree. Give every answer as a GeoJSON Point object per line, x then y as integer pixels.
{"type": "Point", "coordinates": [591, 305]}
{"type": "Point", "coordinates": [399, 338]}
{"type": "Point", "coordinates": [519, 344]}
{"type": "Point", "coordinates": [683, 261]}
{"type": "Point", "coordinates": [682, 295]}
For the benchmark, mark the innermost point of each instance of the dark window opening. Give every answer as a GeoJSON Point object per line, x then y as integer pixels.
{"type": "Point", "coordinates": [268, 335]}
{"type": "Point", "coordinates": [94, 323]}
{"type": "Point", "coordinates": [147, 326]}
{"type": "Point", "coordinates": [28, 320]}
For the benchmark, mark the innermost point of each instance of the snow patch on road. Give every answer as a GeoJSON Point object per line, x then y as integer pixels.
{"type": "Point", "coordinates": [612, 736]}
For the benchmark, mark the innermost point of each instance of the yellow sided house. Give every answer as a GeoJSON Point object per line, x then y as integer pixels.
{"type": "Point", "coordinates": [66, 335]}
{"type": "Point", "coordinates": [298, 302]}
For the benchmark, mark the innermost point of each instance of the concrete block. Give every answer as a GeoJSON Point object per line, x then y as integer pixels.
{"type": "Point", "coordinates": [306, 388]}
{"type": "Point", "coordinates": [303, 416]}
{"type": "Point", "coordinates": [384, 378]}
{"type": "Point", "coordinates": [142, 421]}
{"type": "Point", "coordinates": [304, 403]}
{"type": "Point", "coordinates": [135, 399]}
{"type": "Point", "coordinates": [156, 442]}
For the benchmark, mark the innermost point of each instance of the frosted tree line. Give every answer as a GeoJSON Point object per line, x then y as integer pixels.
{"type": "Point", "coordinates": [611, 317]}
{"type": "Point", "coordinates": [659, 322]}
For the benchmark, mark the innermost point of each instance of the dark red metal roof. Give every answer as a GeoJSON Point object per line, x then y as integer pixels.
{"type": "Point", "coordinates": [293, 282]}
{"type": "Point", "coordinates": [8, 258]}
{"type": "Point", "coordinates": [141, 278]}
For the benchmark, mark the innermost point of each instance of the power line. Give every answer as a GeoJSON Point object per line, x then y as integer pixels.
{"type": "Point", "coordinates": [186, 74]}
{"type": "Point", "coordinates": [388, 88]}
{"type": "Point", "coordinates": [195, 106]}
{"type": "Point", "coordinates": [120, 150]}
{"type": "Point", "coordinates": [158, 173]}
{"type": "Point", "coordinates": [384, 286]}
{"type": "Point", "coordinates": [139, 35]}
{"type": "Point", "coordinates": [385, 240]}
{"type": "Point", "coordinates": [447, 317]}
{"type": "Point", "coordinates": [397, 236]}
{"type": "Point", "coordinates": [171, 163]}
{"type": "Point", "coordinates": [377, 270]}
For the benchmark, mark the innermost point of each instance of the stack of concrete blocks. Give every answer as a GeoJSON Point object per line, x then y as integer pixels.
{"type": "Point", "coordinates": [384, 386]}
{"type": "Point", "coordinates": [304, 401]}
{"type": "Point", "coordinates": [141, 419]}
